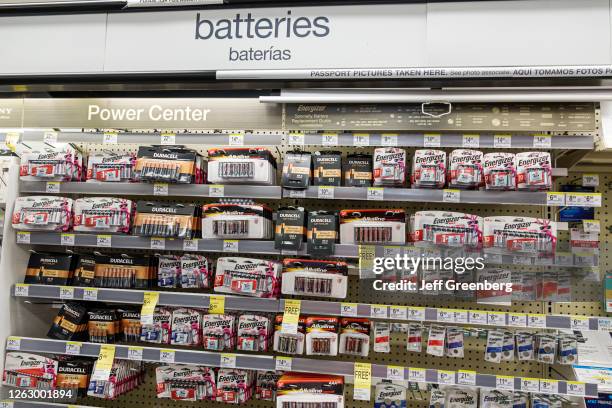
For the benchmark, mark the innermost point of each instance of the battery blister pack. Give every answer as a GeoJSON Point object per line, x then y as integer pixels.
{"type": "Point", "coordinates": [520, 234]}
{"type": "Point", "coordinates": [236, 221]}
{"type": "Point", "coordinates": [289, 343]}
{"type": "Point", "coordinates": [354, 336]}
{"type": "Point", "coordinates": [297, 170]}
{"type": "Point", "coordinates": [169, 164]}
{"type": "Point", "coordinates": [436, 341]}
{"type": "Point", "coordinates": [533, 171]}
{"type": "Point", "coordinates": [389, 167]}
{"type": "Point", "coordinates": [189, 271]}
{"type": "Point", "coordinates": [125, 375]}
{"type": "Point", "coordinates": [290, 229]}
{"type": "Point", "coordinates": [389, 395]}
{"type": "Point", "coordinates": [310, 277]}
{"type": "Point", "coordinates": [235, 165]}
{"type": "Point", "coordinates": [310, 390]}
{"type": "Point", "coordinates": [254, 332]}
{"type": "Point", "coordinates": [321, 336]}
{"type": "Point", "coordinates": [50, 161]}
{"type": "Point", "coordinates": [46, 268]}
{"type": "Point", "coordinates": [186, 327]}
{"type": "Point", "coordinates": [27, 370]}
{"type": "Point", "coordinates": [428, 169]}
{"type": "Point", "coordinates": [103, 215]}
{"type": "Point", "coordinates": [130, 325]}
{"type": "Point", "coordinates": [461, 397]}
{"type": "Point", "coordinates": [265, 388]}
{"type": "Point", "coordinates": [124, 271]}
{"type": "Point", "coordinates": [111, 167]}
{"type": "Point", "coordinates": [453, 229]}
{"type": "Point", "coordinates": [499, 171]}
{"type": "Point", "coordinates": [74, 375]}
{"type": "Point", "coordinates": [322, 232]}
{"type": "Point", "coordinates": [185, 382]}
{"type": "Point", "coordinates": [70, 323]}
{"type": "Point", "coordinates": [414, 337]}
{"type": "Point", "coordinates": [160, 331]}
{"type": "Point", "coordinates": [373, 226]}
{"type": "Point", "coordinates": [327, 168]}
{"type": "Point", "coordinates": [84, 271]}
{"type": "Point", "coordinates": [357, 170]}
{"type": "Point", "coordinates": [465, 169]}
{"type": "Point", "coordinates": [248, 277]}
{"type": "Point", "coordinates": [166, 220]}
{"type": "Point", "coordinates": [235, 386]}
{"type": "Point", "coordinates": [42, 213]}
{"type": "Point", "coordinates": [218, 332]}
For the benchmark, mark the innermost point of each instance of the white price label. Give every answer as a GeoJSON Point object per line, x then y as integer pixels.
{"type": "Point", "coordinates": [23, 237]}
{"type": "Point", "coordinates": [283, 363]}
{"type": "Point", "coordinates": [375, 193]}
{"type": "Point", "coordinates": [446, 315]}
{"type": "Point", "coordinates": [348, 309]}
{"type": "Point", "coordinates": [158, 243]}
{"type": "Point", "coordinates": [53, 187]}
{"type": "Point", "coordinates": [478, 317]}
{"type": "Point", "coordinates": [604, 324]}
{"type": "Point", "coordinates": [555, 199]}
{"type": "Point", "coordinates": [542, 142]}
{"type": "Point", "coordinates": [504, 382]}
{"type": "Point", "coordinates": [90, 294]}
{"type": "Point", "coordinates": [451, 196]}
{"type": "Point", "coordinates": [67, 239]}
{"type": "Point", "coordinates": [326, 192]}
{"type": "Point", "coordinates": [549, 386]}
{"type": "Point", "coordinates": [502, 141]}
{"type": "Point", "coordinates": [416, 374]}
{"type": "Point", "coordinates": [160, 189]}
{"type": "Point", "coordinates": [530, 385]}
{"type": "Point", "coordinates": [13, 343]}
{"type": "Point", "coordinates": [22, 289]}
{"type": "Point", "coordinates": [379, 311]}
{"type": "Point", "coordinates": [361, 139]}
{"type": "Point", "coordinates": [431, 140]}
{"type": "Point", "coordinates": [579, 323]}
{"type": "Point", "coordinates": [590, 180]}
{"type": "Point", "coordinates": [236, 139]}
{"type": "Point", "coordinates": [466, 377]}
{"type": "Point", "coordinates": [496, 318]}
{"type": "Point", "coordinates": [576, 388]}
{"type": "Point", "coordinates": [73, 348]}
{"type": "Point", "coordinates": [109, 138]}
{"type": "Point", "coordinates": [50, 137]}
{"type": "Point", "coordinates": [398, 312]}
{"type": "Point", "coordinates": [190, 245]}
{"type": "Point", "coordinates": [388, 139]}
{"type": "Point", "coordinates": [591, 226]}
{"type": "Point", "coordinates": [536, 321]}
{"type": "Point", "coordinates": [517, 320]}
{"type": "Point", "coordinates": [228, 360]}
{"type": "Point", "coordinates": [395, 373]}
{"type": "Point", "coordinates": [471, 141]}
{"type": "Point", "coordinates": [329, 139]}
{"type": "Point", "coordinates": [135, 353]}
{"type": "Point", "coordinates": [7, 404]}
{"type": "Point", "coordinates": [461, 316]}
{"type": "Point", "coordinates": [583, 199]}
{"type": "Point", "coordinates": [416, 313]}
{"type": "Point", "coordinates": [296, 193]}
{"type": "Point", "coordinates": [230, 245]}
{"type": "Point", "coordinates": [66, 292]}
{"type": "Point", "coordinates": [104, 241]}
{"type": "Point", "coordinates": [166, 356]}
{"type": "Point", "coordinates": [168, 139]}
{"type": "Point", "coordinates": [216, 190]}
{"type": "Point", "coordinates": [446, 377]}
{"type": "Point", "coordinates": [296, 139]}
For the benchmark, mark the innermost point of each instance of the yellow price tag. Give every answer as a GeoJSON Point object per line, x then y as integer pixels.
{"type": "Point", "coordinates": [104, 364]}
{"type": "Point", "coordinates": [363, 381]}
{"type": "Point", "coordinates": [148, 307]}
{"type": "Point", "coordinates": [291, 315]}
{"type": "Point", "coordinates": [367, 253]}
{"type": "Point", "coordinates": [217, 304]}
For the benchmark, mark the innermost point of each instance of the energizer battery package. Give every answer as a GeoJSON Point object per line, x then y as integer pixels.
{"type": "Point", "coordinates": [520, 234]}
{"type": "Point", "coordinates": [290, 230]}
{"type": "Point", "coordinates": [265, 388]}
{"type": "Point", "coordinates": [235, 386]}
{"type": "Point", "coordinates": [125, 375]}
{"type": "Point", "coordinates": [42, 213]}
{"type": "Point", "coordinates": [453, 229]}
{"type": "Point", "coordinates": [533, 171]}
{"type": "Point", "coordinates": [248, 277]}
{"type": "Point", "coordinates": [465, 169]}
{"type": "Point", "coordinates": [50, 268]}
{"type": "Point", "coordinates": [321, 336]}
{"type": "Point", "coordinates": [322, 232]}
{"type": "Point", "coordinates": [186, 327]}
{"type": "Point", "coordinates": [389, 168]}
{"type": "Point", "coordinates": [160, 331]}
{"type": "Point", "coordinates": [296, 170]}
{"type": "Point", "coordinates": [185, 382]}
{"type": "Point", "coordinates": [188, 271]}
{"type": "Point", "coordinates": [124, 272]}
{"type": "Point", "coordinates": [289, 343]}
{"type": "Point", "coordinates": [327, 168]}
{"type": "Point", "coordinates": [111, 167]}
{"type": "Point", "coordinates": [461, 397]}
{"type": "Point", "coordinates": [389, 395]}
{"type": "Point", "coordinates": [168, 164]}
{"type": "Point", "coordinates": [42, 161]}
{"type": "Point", "coordinates": [373, 226]}
{"type": "Point", "coordinates": [354, 336]}
{"type": "Point", "coordinates": [218, 332]}
{"type": "Point", "coordinates": [254, 333]}
{"type": "Point", "coordinates": [74, 375]}
{"type": "Point", "coordinates": [166, 220]}
{"type": "Point", "coordinates": [246, 165]}
{"type": "Point", "coordinates": [70, 323]}
{"type": "Point", "coordinates": [236, 221]}
{"type": "Point", "coordinates": [357, 170]}
{"type": "Point", "coordinates": [499, 171]}
{"type": "Point", "coordinates": [428, 169]}
{"type": "Point", "coordinates": [103, 215]}
{"type": "Point", "coordinates": [310, 277]}
{"type": "Point", "coordinates": [26, 370]}
{"type": "Point", "coordinates": [304, 390]}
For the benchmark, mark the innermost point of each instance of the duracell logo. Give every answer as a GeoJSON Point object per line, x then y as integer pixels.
{"type": "Point", "coordinates": [48, 260]}
{"type": "Point", "coordinates": [290, 215]}
{"type": "Point", "coordinates": [163, 209]}
{"type": "Point", "coordinates": [165, 155]}
{"type": "Point", "coordinates": [94, 316]}
{"type": "Point", "coordinates": [73, 370]}
{"type": "Point", "coordinates": [320, 220]}
{"type": "Point", "coordinates": [127, 261]}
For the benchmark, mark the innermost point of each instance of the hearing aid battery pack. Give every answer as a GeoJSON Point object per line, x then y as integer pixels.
{"type": "Point", "coordinates": [322, 232]}
{"type": "Point", "coordinates": [296, 170]}
{"type": "Point", "coordinates": [310, 277]}
{"type": "Point", "coordinates": [327, 168]}
{"type": "Point", "coordinates": [357, 170]}
{"type": "Point", "coordinates": [166, 220]}
{"type": "Point", "coordinates": [111, 167]}
{"type": "Point", "coordinates": [248, 277]}
{"type": "Point", "coordinates": [373, 226]}
{"type": "Point", "coordinates": [42, 213]}
{"type": "Point", "coordinates": [70, 323]}
{"type": "Point", "coordinates": [236, 221]}
{"type": "Point", "coordinates": [103, 215]}
{"type": "Point", "coordinates": [246, 165]}
{"type": "Point", "coordinates": [168, 164]}
{"type": "Point", "coordinates": [520, 234]}
{"type": "Point", "coordinates": [45, 268]}
{"type": "Point", "coordinates": [446, 228]}
{"type": "Point", "coordinates": [290, 230]}
{"type": "Point", "coordinates": [499, 171]}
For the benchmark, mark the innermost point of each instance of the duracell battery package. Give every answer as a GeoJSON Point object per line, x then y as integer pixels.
{"type": "Point", "coordinates": [166, 220]}
{"type": "Point", "coordinates": [103, 215]}
{"type": "Point", "coordinates": [311, 277]}
{"type": "Point", "coordinates": [236, 221]}
{"type": "Point", "coordinates": [111, 167]}
{"type": "Point", "coordinates": [327, 168]}
{"type": "Point", "coordinates": [373, 226]}
{"type": "Point", "coordinates": [26, 370]}
{"type": "Point", "coordinates": [50, 268]}
{"type": "Point", "coordinates": [130, 325]}
{"type": "Point", "coordinates": [296, 170]}
{"type": "Point", "coordinates": [103, 326]}
{"type": "Point", "coordinates": [321, 336]}
{"type": "Point", "coordinates": [289, 343]}
{"type": "Point", "coordinates": [306, 390]}
{"type": "Point", "coordinates": [322, 232]}
{"type": "Point", "coordinates": [290, 230]}
{"type": "Point", "coordinates": [357, 170]}
{"type": "Point", "coordinates": [73, 374]}
{"type": "Point", "coordinates": [354, 336]}
{"type": "Point", "coordinates": [70, 323]}
{"type": "Point", "coordinates": [84, 271]}
{"type": "Point", "coordinates": [168, 164]}
{"type": "Point", "coordinates": [246, 165]}
{"type": "Point", "coordinates": [124, 272]}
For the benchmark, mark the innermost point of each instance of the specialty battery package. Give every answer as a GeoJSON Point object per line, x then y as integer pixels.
{"type": "Point", "coordinates": [111, 167]}
{"type": "Point", "coordinates": [461, 397]}
{"type": "Point", "coordinates": [74, 375]}
{"type": "Point", "coordinates": [160, 331]}
{"type": "Point", "coordinates": [26, 370]}
{"type": "Point", "coordinates": [436, 341]}
{"type": "Point", "coordinates": [357, 170]}
{"type": "Point", "coordinates": [389, 168]}
{"type": "Point", "coordinates": [103, 215]}
{"type": "Point", "coordinates": [290, 230]}
{"type": "Point", "coordinates": [310, 277]}
{"type": "Point", "coordinates": [70, 323]}
{"type": "Point", "coordinates": [446, 228]}
{"type": "Point", "coordinates": [289, 343]}
{"type": "Point", "coordinates": [354, 336]}
{"type": "Point", "coordinates": [465, 169]}
{"type": "Point", "coordinates": [302, 389]}
{"type": "Point", "coordinates": [533, 171]}
{"type": "Point", "coordinates": [218, 332]}
{"type": "Point", "coordinates": [185, 382]}
{"type": "Point", "coordinates": [520, 234]}
{"type": "Point", "coordinates": [499, 171]}
{"type": "Point", "coordinates": [568, 350]}
{"type": "Point", "coordinates": [327, 168]}
{"type": "Point", "coordinates": [235, 165]}
{"type": "Point", "coordinates": [168, 164]}
{"type": "Point", "coordinates": [454, 342]}
{"type": "Point", "coordinates": [236, 221]}
{"type": "Point", "coordinates": [124, 272]}
{"type": "Point", "coordinates": [254, 332]}
{"type": "Point", "coordinates": [322, 232]}
{"type": "Point", "coordinates": [235, 386]}
{"type": "Point", "coordinates": [321, 336]}
{"type": "Point", "coordinates": [49, 161]}
{"type": "Point", "coordinates": [389, 395]}
{"type": "Point", "coordinates": [166, 220]}
{"type": "Point", "coordinates": [186, 327]}
{"type": "Point", "coordinates": [265, 388]}
{"type": "Point", "coordinates": [103, 326]}
{"type": "Point", "coordinates": [84, 271]}
{"type": "Point", "coordinates": [42, 213]}
{"type": "Point", "coordinates": [297, 170]}
{"type": "Point", "coordinates": [45, 268]}
{"type": "Point", "coordinates": [495, 342]}
{"type": "Point", "coordinates": [382, 337]}
{"type": "Point", "coordinates": [373, 226]}
{"type": "Point", "coordinates": [428, 169]}
{"type": "Point", "coordinates": [248, 277]}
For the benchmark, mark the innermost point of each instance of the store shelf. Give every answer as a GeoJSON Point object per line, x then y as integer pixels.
{"type": "Point", "coordinates": [40, 404]}
{"type": "Point", "coordinates": [148, 189]}
{"type": "Point", "coordinates": [444, 140]}
{"type": "Point", "coordinates": [133, 242]}
{"type": "Point", "coordinates": [257, 362]}
{"type": "Point", "coordinates": [155, 138]}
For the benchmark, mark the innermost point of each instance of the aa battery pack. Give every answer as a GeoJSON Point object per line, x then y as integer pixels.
{"type": "Point", "coordinates": [50, 268]}
{"type": "Point", "coordinates": [499, 171]}
{"type": "Point", "coordinates": [236, 221]}
{"type": "Point", "coordinates": [103, 326]}
{"type": "Point", "coordinates": [253, 333]}
{"type": "Point", "coordinates": [168, 164]}
{"type": "Point", "coordinates": [354, 336]}
{"type": "Point", "coordinates": [265, 389]}
{"type": "Point", "coordinates": [520, 234]}
{"type": "Point", "coordinates": [321, 336]}
{"type": "Point", "coordinates": [428, 169]}
{"type": "Point", "coordinates": [42, 213]}
{"type": "Point", "coordinates": [297, 170]}
{"type": "Point", "coordinates": [373, 226]}
{"type": "Point", "coordinates": [103, 215]}
{"type": "Point", "coordinates": [327, 168]}
{"type": "Point", "coordinates": [49, 161]}
{"type": "Point", "coordinates": [309, 277]}
{"type": "Point", "coordinates": [322, 232]}
{"type": "Point", "coordinates": [389, 168]}
{"type": "Point", "coordinates": [74, 375]}
{"type": "Point", "coordinates": [290, 230]}
{"type": "Point", "coordinates": [124, 272]}
{"type": "Point", "coordinates": [289, 343]}
{"type": "Point", "coordinates": [301, 389]}
{"type": "Point", "coordinates": [160, 331]}
{"type": "Point", "coordinates": [248, 277]}
{"type": "Point", "coordinates": [186, 327]}
{"type": "Point", "coordinates": [465, 169]}
{"type": "Point", "coordinates": [166, 220]}
{"type": "Point", "coordinates": [26, 370]}
{"type": "Point", "coordinates": [218, 332]}
{"type": "Point", "coordinates": [130, 325]}
{"type": "Point", "coordinates": [443, 228]}
{"type": "Point", "coordinates": [185, 382]}
{"type": "Point", "coordinates": [357, 170]}
{"type": "Point", "coordinates": [111, 167]}
{"type": "Point", "coordinates": [235, 386]}
{"type": "Point", "coordinates": [84, 271]}
{"type": "Point", "coordinates": [70, 323]}
{"type": "Point", "coordinates": [237, 165]}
